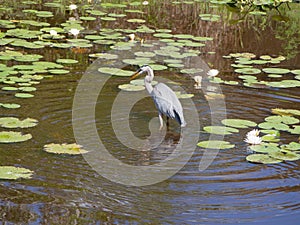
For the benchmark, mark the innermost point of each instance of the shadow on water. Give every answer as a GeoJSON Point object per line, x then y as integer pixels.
{"type": "Point", "coordinates": [66, 190]}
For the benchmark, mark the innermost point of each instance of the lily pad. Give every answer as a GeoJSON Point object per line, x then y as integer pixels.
{"type": "Point", "coordinates": [13, 122]}
{"type": "Point", "coordinates": [183, 95]}
{"type": "Point", "coordinates": [282, 119]}
{"type": "Point", "coordinates": [276, 70]}
{"type": "Point", "coordinates": [222, 130]}
{"type": "Point", "coordinates": [272, 125]}
{"type": "Point", "coordinates": [24, 95]}
{"type": "Point", "coordinates": [265, 148]}
{"type": "Point", "coordinates": [131, 87]}
{"type": "Point", "coordinates": [67, 61]}
{"type": "Point", "coordinates": [262, 158]}
{"type": "Point", "coordinates": [115, 71]}
{"type": "Point", "coordinates": [215, 144]}
{"type": "Point", "coordinates": [285, 155]}
{"type": "Point", "coordinates": [10, 105]}
{"type": "Point", "coordinates": [13, 173]}
{"type": "Point", "coordinates": [12, 136]}
{"type": "Point", "coordinates": [295, 130]}
{"type": "Point", "coordinates": [248, 70]}
{"type": "Point", "coordinates": [71, 149]}
{"type": "Point", "coordinates": [286, 112]}
{"type": "Point", "coordinates": [293, 146]}
{"type": "Point", "coordinates": [238, 123]}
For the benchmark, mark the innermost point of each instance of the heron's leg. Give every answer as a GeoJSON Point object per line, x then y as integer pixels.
{"type": "Point", "coordinates": [168, 123]}
{"type": "Point", "coordinates": [160, 121]}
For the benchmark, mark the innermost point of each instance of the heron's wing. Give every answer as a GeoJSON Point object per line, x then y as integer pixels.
{"type": "Point", "coordinates": [167, 102]}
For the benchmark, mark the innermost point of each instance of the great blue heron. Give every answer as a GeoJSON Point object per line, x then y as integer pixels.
{"type": "Point", "coordinates": [164, 98]}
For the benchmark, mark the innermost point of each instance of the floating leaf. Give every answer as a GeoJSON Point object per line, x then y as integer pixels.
{"type": "Point", "coordinates": [276, 70]}
{"type": "Point", "coordinates": [262, 158]}
{"type": "Point", "coordinates": [215, 144]}
{"type": "Point", "coordinates": [135, 20]}
{"type": "Point", "coordinates": [140, 82]}
{"type": "Point", "coordinates": [13, 122]}
{"type": "Point", "coordinates": [115, 71]}
{"type": "Point", "coordinates": [282, 119]}
{"type": "Point", "coordinates": [222, 130]}
{"type": "Point", "coordinates": [272, 125]}
{"type": "Point", "coordinates": [183, 95]}
{"type": "Point", "coordinates": [238, 123]}
{"type": "Point", "coordinates": [191, 70]}
{"type": "Point", "coordinates": [295, 130]}
{"type": "Point", "coordinates": [286, 112]}
{"type": "Point", "coordinates": [265, 148]}
{"type": "Point", "coordinates": [67, 61]}
{"type": "Point", "coordinates": [248, 70]}
{"type": "Point", "coordinates": [131, 87]}
{"type": "Point", "coordinates": [71, 149]}
{"type": "Point", "coordinates": [293, 146]}
{"type": "Point", "coordinates": [13, 173]}
{"type": "Point", "coordinates": [285, 155]}
{"type": "Point", "coordinates": [10, 105]}
{"type": "Point", "coordinates": [11, 137]}
{"type": "Point", "coordinates": [24, 95]}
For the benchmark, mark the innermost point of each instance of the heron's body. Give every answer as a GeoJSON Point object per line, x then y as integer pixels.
{"type": "Point", "coordinates": [164, 98]}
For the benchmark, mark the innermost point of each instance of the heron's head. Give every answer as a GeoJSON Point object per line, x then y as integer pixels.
{"type": "Point", "coordinates": [142, 69]}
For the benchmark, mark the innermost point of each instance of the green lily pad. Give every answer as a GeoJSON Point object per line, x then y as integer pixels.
{"type": "Point", "coordinates": [284, 84]}
{"type": "Point", "coordinates": [215, 144]}
{"type": "Point", "coordinates": [296, 72]}
{"type": "Point", "coordinates": [222, 130]}
{"type": "Point", "coordinates": [264, 148]}
{"type": "Point", "coordinates": [282, 119]}
{"type": "Point", "coordinates": [107, 56]}
{"type": "Point", "coordinates": [71, 149]}
{"type": "Point", "coordinates": [238, 123]}
{"type": "Point", "coordinates": [285, 155]}
{"type": "Point", "coordinates": [115, 71]}
{"type": "Point", "coordinates": [286, 112]}
{"type": "Point", "coordinates": [248, 70]}
{"type": "Point", "coordinates": [67, 61]}
{"type": "Point", "coordinates": [270, 138]}
{"type": "Point", "coordinates": [276, 70]}
{"type": "Point", "coordinates": [295, 130]}
{"type": "Point", "coordinates": [24, 95]}
{"type": "Point", "coordinates": [12, 136]}
{"type": "Point", "coordinates": [136, 21]}
{"type": "Point", "coordinates": [293, 146]}
{"type": "Point", "coordinates": [272, 125]}
{"type": "Point", "coordinates": [10, 105]}
{"type": "Point", "coordinates": [14, 173]}
{"type": "Point", "coordinates": [183, 95]}
{"type": "Point", "coordinates": [191, 70]}
{"type": "Point", "coordinates": [262, 158]}
{"type": "Point", "coordinates": [13, 122]}
{"type": "Point", "coordinates": [131, 87]}
{"type": "Point", "coordinates": [140, 82]}
{"type": "Point", "coordinates": [58, 71]}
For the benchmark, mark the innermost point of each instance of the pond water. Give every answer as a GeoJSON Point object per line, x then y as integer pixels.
{"type": "Point", "coordinates": [67, 190]}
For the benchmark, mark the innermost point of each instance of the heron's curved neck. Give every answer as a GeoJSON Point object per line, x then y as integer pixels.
{"type": "Point", "coordinates": [148, 80]}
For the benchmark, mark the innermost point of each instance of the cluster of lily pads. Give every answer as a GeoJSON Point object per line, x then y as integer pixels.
{"type": "Point", "coordinates": [253, 69]}
{"type": "Point", "coordinates": [266, 148]}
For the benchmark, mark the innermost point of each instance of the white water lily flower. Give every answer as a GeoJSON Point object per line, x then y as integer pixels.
{"type": "Point", "coordinates": [145, 3]}
{"type": "Point", "coordinates": [213, 72]}
{"type": "Point", "coordinates": [72, 7]}
{"type": "Point", "coordinates": [198, 80]}
{"type": "Point", "coordinates": [253, 138]}
{"type": "Point", "coordinates": [74, 31]}
{"type": "Point", "coordinates": [254, 132]}
{"type": "Point", "coordinates": [53, 32]}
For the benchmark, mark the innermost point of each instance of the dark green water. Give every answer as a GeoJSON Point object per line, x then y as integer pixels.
{"type": "Point", "coordinates": [66, 190]}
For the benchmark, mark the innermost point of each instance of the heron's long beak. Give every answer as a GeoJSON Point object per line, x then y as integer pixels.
{"type": "Point", "coordinates": [137, 73]}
